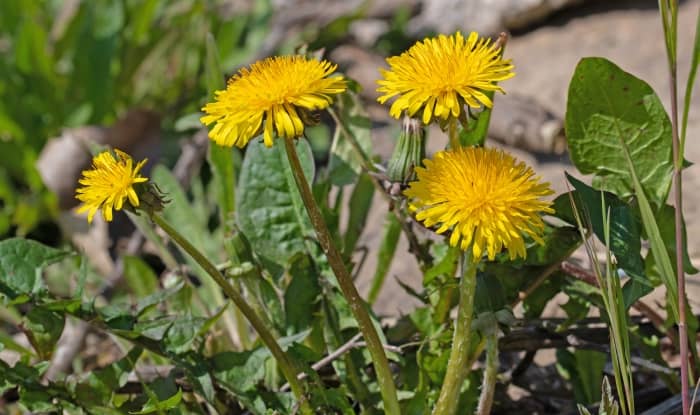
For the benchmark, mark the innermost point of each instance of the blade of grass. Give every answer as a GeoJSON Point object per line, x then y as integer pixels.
{"type": "Point", "coordinates": [392, 231]}
{"type": "Point", "coordinates": [611, 294]}
{"type": "Point", "coordinates": [695, 60]}
{"type": "Point", "coordinates": [669, 16]}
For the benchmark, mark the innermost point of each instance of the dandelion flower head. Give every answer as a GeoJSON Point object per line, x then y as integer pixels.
{"type": "Point", "coordinates": [485, 197]}
{"type": "Point", "coordinates": [109, 183]}
{"type": "Point", "coordinates": [275, 92]}
{"type": "Point", "coordinates": [440, 75]}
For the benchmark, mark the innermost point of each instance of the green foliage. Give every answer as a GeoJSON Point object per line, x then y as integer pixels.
{"type": "Point", "coordinates": [387, 250]}
{"type": "Point", "coordinates": [609, 113]}
{"type": "Point", "coordinates": [584, 368]}
{"type": "Point", "coordinates": [21, 261]}
{"type": "Point", "coordinates": [608, 405]}
{"type": "Point", "coordinates": [67, 65]}
{"type": "Point", "coordinates": [269, 210]}
{"type": "Point", "coordinates": [346, 162]}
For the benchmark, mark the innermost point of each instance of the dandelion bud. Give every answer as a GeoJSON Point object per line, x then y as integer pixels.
{"type": "Point", "coordinates": [409, 151]}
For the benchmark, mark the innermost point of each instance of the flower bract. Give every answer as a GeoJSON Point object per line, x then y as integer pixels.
{"type": "Point", "coordinates": [272, 95]}
{"type": "Point", "coordinates": [109, 183]}
{"type": "Point", "coordinates": [485, 197]}
{"type": "Point", "coordinates": [439, 75]}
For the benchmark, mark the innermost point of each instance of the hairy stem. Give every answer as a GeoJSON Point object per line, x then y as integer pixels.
{"type": "Point", "coordinates": [453, 134]}
{"type": "Point", "coordinates": [669, 14]}
{"type": "Point", "coordinates": [357, 304]}
{"type": "Point", "coordinates": [288, 369]}
{"type": "Point", "coordinates": [457, 369]}
{"type": "Point", "coordinates": [488, 385]}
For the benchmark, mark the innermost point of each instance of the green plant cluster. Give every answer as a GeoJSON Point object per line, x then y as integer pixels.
{"type": "Point", "coordinates": [66, 64]}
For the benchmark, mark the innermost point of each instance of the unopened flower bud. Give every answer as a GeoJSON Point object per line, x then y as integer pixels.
{"type": "Point", "coordinates": [409, 151]}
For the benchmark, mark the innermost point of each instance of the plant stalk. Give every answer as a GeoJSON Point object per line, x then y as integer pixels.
{"type": "Point", "coordinates": [453, 134]}
{"type": "Point", "coordinates": [357, 304]}
{"type": "Point", "coordinates": [669, 16]}
{"type": "Point", "coordinates": [488, 385]}
{"type": "Point", "coordinates": [457, 369]}
{"type": "Point", "coordinates": [680, 249]}
{"type": "Point", "coordinates": [288, 369]}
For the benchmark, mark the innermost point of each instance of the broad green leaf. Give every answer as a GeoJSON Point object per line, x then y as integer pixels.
{"type": "Point", "coordinates": [607, 109]}
{"type": "Point", "coordinates": [37, 400]}
{"type": "Point", "coordinates": [584, 369]}
{"type": "Point", "coordinates": [100, 94]}
{"type": "Point", "coordinates": [385, 256]}
{"type": "Point", "coordinates": [345, 163]}
{"type": "Point", "coordinates": [239, 372]}
{"type": "Point", "coordinates": [21, 262]}
{"type": "Point", "coordinates": [301, 296]}
{"type": "Point", "coordinates": [154, 329]}
{"type": "Point", "coordinates": [158, 297]}
{"type": "Point", "coordinates": [141, 19]}
{"type": "Point", "coordinates": [515, 276]}
{"type": "Point", "coordinates": [155, 405]}
{"type": "Point", "coordinates": [182, 333]}
{"type": "Point", "coordinates": [221, 160]}
{"type": "Point", "coordinates": [100, 384]}
{"type": "Point", "coordinates": [43, 328]}
{"type": "Point", "coordinates": [9, 343]}
{"type": "Point", "coordinates": [139, 276]}
{"type": "Point", "coordinates": [581, 297]}
{"type": "Point", "coordinates": [109, 18]}
{"type": "Point", "coordinates": [331, 401]}
{"type": "Point", "coordinates": [559, 243]}
{"type": "Point", "coordinates": [201, 377]}
{"type": "Point", "coordinates": [30, 49]}
{"type": "Point", "coordinates": [360, 203]}
{"type": "Point", "coordinates": [625, 234]}
{"type": "Point", "coordinates": [68, 306]}
{"type": "Point", "coordinates": [535, 302]}
{"type": "Point", "coordinates": [446, 265]}
{"type": "Point", "coordinates": [489, 295]}
{"type": "Point", "coordinates": [665, 219]}
{"type": "Point", "coordinates": [269, 209]}
{"type": "Point", "coordinates": [658, 251]}
{"type": "Point", "coordinates": [214, 74]}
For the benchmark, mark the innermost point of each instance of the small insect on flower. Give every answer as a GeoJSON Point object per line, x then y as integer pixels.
{"type": "Point", "coordinates": [278, 92]}
{"type": "Point", "coordinates": [440, 75]}
{"type": "Point", "coordinates": [109, 183]}
{"type": "Point", "coordinates": [487, 199]}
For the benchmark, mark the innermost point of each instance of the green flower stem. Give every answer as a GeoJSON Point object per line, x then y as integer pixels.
{"type": "Point", "coordinates": [488, 385]}
{"type": "Point", "coordinates": [453, 134]}
{"type": "Point", "coordinates": [288, 369]}
{"type": "Point", "coordinates": [457, 368]}
{"type": "Point", "coordinates": [357, 305]}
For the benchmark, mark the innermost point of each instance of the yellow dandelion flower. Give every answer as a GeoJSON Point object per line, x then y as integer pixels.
{"type": "Point", "coordinates": [485, 197]}
{"type": "Point", "coordinates": [439, 75]}
{"type": "Point", "coordinates": [276, 91]}
{"type": "Point", "coordinates": [109, 183]}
